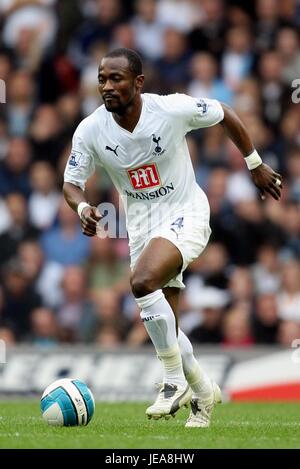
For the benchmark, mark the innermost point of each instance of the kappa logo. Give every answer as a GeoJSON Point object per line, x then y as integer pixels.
{"type": "Point", "coordinates": [144, 177]}
{"type": "Point", "coordinates": [158, 149]}
{"type": "Point", "coordinates": [111, 149]}
{"type": "Point", "coordinates": [75, 159]}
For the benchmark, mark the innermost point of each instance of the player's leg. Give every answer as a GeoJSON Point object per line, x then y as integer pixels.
{"type": "Point", "coordinates": [158, 263]}
{"type": "Point", "coordinates": [206, 393]}
{"type": "Point", "coordinates": [195, 376]}
{"type": "Point", "coordinates": [172, 295]}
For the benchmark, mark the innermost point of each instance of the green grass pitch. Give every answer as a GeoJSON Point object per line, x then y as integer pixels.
{"type": "Point", "coordinates": [124, 425]}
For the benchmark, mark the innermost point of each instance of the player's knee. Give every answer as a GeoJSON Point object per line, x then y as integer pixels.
{"type": "Point", "coordinates": [142, 284]}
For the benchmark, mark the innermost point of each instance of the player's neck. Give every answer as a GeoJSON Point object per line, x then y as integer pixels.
{"type": "Point", "coordinates": [129, 119]}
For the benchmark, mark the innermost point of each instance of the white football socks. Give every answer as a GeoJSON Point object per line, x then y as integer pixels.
{"type": "Point", "coordinates": [159, 321]}
{"type": "Point", "coordinates": [198, 380]}
{"type": "Point", "coordinates": [176, 355]}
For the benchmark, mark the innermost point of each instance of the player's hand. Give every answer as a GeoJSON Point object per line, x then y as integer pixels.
{"type": "Point", "coordinates": [267, 181]}
{"type": "Point", "coordinates": [89, 220]}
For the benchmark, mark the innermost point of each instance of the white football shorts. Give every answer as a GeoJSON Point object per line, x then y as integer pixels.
{"type": "Point", "coordinates": [189, 233]}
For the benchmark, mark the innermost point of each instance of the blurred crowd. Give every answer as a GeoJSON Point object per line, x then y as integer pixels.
{"type": "Point", "coordinates": [58, 286]}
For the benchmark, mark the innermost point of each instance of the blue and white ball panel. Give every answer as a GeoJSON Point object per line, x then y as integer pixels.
{"type": "Point", "coordinates": [87, 397]}
{"type": "Point", "coordinates": [67, 402]}
{"type": "Point", "coordinates": [58, 408]}
{"type": "Point", "coordinates": [52, 414]}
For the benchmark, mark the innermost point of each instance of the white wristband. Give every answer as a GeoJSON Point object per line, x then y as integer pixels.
{"type": "Point", "coordinates": [253, 160]}
{"type": "Point", "coordinates": [81, 206]}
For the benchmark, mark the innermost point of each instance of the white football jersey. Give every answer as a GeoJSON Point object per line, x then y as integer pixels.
{"type": "Point", "coordinates": [151, 166]}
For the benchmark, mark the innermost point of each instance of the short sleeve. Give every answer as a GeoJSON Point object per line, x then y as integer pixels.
{"type": "Point", "coordinates": [81, 162]}
{"type": "Point", "coordinates": [193, 113]}
{"type": "Point", "coordinates": [204, 113]}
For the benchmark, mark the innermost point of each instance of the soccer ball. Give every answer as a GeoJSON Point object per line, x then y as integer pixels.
{"type": "Point", "coordinates": [67, 402]}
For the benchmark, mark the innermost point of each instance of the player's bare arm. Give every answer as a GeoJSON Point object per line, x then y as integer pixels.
{"type": "Point", "coordinates": [89, 215]}
{"type": "Point", "coordinates": [265, 179]}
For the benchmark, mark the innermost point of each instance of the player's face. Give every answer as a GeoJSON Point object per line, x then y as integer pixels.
{"type": "Point", "coordinates": [117, 84]}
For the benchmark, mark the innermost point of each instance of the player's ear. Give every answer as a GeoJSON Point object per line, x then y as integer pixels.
{"type": "Point", "coordinates": [139, 81]}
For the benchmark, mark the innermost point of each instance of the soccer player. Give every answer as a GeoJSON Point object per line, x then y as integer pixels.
{"type": "Point", "coordinates": [140, 140]}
